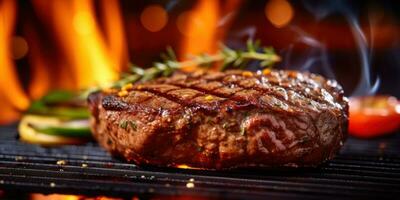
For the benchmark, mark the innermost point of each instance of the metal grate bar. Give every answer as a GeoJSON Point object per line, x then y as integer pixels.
{"type": "Point", "coordinates": [362, 170]}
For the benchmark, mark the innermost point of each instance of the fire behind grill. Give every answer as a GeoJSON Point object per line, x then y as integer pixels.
{"type": "Point", "coordinates": [364, 169]}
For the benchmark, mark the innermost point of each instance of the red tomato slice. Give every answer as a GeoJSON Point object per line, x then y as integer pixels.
{"type": "Point", "coordinates": [373, 116]}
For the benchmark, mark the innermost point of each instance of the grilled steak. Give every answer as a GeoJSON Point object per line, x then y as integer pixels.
{"type": "Point", "coordinates": [220, 120]}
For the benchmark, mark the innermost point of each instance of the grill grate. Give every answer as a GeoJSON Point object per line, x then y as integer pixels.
{"type": "Point", "coordinates": [364, 169]}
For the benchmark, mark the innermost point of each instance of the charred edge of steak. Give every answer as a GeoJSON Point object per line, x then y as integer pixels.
{"type": "Point", "coordinates": [224, 120]}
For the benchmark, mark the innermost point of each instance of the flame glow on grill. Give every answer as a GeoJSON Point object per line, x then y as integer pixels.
{"type": "Point", "coordinates": [37, 196]}
{"type": "Point", "coordinates": [186, 167]}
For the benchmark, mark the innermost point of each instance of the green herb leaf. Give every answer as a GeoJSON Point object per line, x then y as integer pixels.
{"type": "Point", "coordinates": [128, 123]}
{"type": "Point", "coordinates": [62, 104]}
{"type": "Point", "coordinates": [132, 125]}
{"type": "Point", "coordinates": [242, 130]}
{"type": "Point", "coordinates": [58, 96]}
{"type": "Point", "coordinates": [123, 124]}
{"type": "Point", "coordinates": [136, 70]}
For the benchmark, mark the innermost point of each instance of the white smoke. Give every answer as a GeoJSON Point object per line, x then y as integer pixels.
{"type": "Point", "coordinates": [314, 57]}
{"type": "Point", "coordinates": [323, 9]}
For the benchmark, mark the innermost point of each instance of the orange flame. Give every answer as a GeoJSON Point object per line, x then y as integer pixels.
{"type": "Point", "coordinates": [183, 166]}
{"type": "Point", "coordinates": [37, 196]}
{"type": "Point", "coordinates": [84, 55]}
{"type": "Point", "coordinates": [204, 27]}
{"type": "Point", "coordinates": [87, 51]}
{"type": "Point", "coordinates": [93, 58]}
{"type": "Point", "coordinates": [12, 96]}
{"type": "Point", "coordinates": [199, 28]}
{"type": "Point", "coordinates": [114, 29]}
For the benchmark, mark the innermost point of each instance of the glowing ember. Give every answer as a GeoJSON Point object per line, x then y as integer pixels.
{"type": "Point", "coordinates": [61, 162]}
{"type": "Point", "coordinates": [279, 12]}
{"type": "Point", "coordinates": [183, 166]}
{"type": "Point", "coordinates": [154, 18]}
{"type": "Point", "coordinates": [190, 185]}
{"type": "Point", "coordinates": [186, 167]}
{"type": "Point", "coordinates": [19, 47]}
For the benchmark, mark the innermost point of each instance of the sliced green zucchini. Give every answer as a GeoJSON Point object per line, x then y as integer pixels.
{"type": "Point", "coordinates": [65, 128]}
{"type": "Point", "coordinates": [52, 130]}
{"type": "Point", "coordinates": [62, 104]}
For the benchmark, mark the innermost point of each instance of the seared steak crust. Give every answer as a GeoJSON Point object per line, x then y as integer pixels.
{"type": "Point", "coordinates": [222, 120]}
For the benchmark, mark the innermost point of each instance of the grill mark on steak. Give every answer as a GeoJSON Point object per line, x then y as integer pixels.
{"type": "Point", "coordinates": [205, 91]}
{"type": "Point", "coordinates": [112, 102]}
{"type": "Point", "coordinates": [311, 94]}
{"type": "Point", "coordinates": [189, 103]}
{"type": "Point", "coordinates": [227, 100]}
{"type": "Point", "coordinates": [233, 96]}
{"type": "Point", "coordinates": [277, 130]}
{"type": "Point", "coordinates": [157, 92]}
{"type": "Point", "coordinates": [285, 80]}
{"type": "Point", "coordinates": [273, 92]}
{"type": "Point", "coordinates": [269, 93]}
{"type": "Point", "coordinates": [261, 94]}
{"type": "Point", "coordinates": [186, 81]}
{"type": "Point", "coordinates": [146, 99]}
{"type": "Point", "coordinates": [161, 94]}
{"type": "Point", "coordinates": [274, 89]}
{"type": "Point", "coordinates": [311, 82]}
{"type": "Point", "coordinates": [277, 139]}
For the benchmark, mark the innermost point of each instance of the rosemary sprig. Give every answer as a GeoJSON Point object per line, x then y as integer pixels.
{"type": "Point", "coordinates": [229, 58]}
